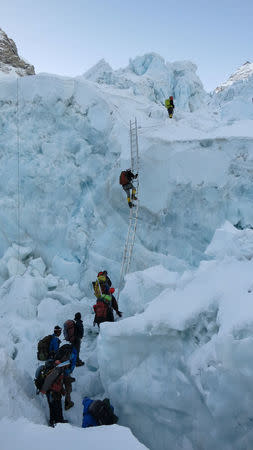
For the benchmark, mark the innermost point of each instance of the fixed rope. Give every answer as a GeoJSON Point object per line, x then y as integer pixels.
{"type": "Point", "coordinates": [18, 172]}
{"type": "Point", "coordinates": [133, 215]}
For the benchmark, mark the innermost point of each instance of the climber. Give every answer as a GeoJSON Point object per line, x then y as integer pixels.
{"type": "Point", "coordinates": [169, 104]}
{"type": "Point", "coordinates": [98, 412]}
{"type": "Point", "coordinates": [53, 388]}
{"type": "Point", "coordinates": [103, 309]}
{"type": "Point", "coordinates": [125, 180]}
{"type": "Point", "coordinates": [103, 285]}
{"type": "Point", "coordinates": [114, 301]}
{"type": "Point", "coordinates": [67, 352]}
{"type": "Point", "coordinates": [78, 337]}
{"type": "Point", "coordinates": [48, 346]}
{"type": "Point", "coordinates": [68, 379]}
{"type": "Point", "coordinates": [55, 341]}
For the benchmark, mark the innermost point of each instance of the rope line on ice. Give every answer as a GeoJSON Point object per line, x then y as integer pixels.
{"type": "Point", "coordinates": [18, 172]}
{"type": "Point", "coordinates": [133, 214]}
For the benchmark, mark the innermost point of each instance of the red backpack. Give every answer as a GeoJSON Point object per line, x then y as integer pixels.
{"type": "Point", "coordinates": [69, 330]}
{"type": "Point", "coordinates": [101, 311]}
{"type": "Point", "coordinates": [123, 178]}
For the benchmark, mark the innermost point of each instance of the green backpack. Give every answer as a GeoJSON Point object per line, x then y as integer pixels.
{"type": "Point", "coordinates": [43, 348]}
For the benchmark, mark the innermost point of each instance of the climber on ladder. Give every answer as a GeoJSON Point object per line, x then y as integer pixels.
{"type": "Point", "coordinates": [125, 180]}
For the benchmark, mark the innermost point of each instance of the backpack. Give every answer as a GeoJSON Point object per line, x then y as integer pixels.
{"type": "Point", "coordinates": [101, 311]}
{"type": "Point", "coordinates": [102, 412]}
{"type": "Point", "coordinates": [123, 178]}
{"type": "Point", "coordinates": [64, 352]}
{"type": "Point", "coordinates": [41, 374]}
{"type": "Point", "coordinates": [97, 289]}
{"type": "Point", "coordinates": [104, 286]}
{"type": "Point", "coordinates": [69, 330]}
{"type": "Point", "coordinates": [43, 348]}
{"type": "Point", "coordinates": [100, 286]}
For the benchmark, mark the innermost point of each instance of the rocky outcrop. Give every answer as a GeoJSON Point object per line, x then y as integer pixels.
{"type": "Point", "coordinates": [242, 74]}
{"type": "Point", "coordinates": [10, 62]}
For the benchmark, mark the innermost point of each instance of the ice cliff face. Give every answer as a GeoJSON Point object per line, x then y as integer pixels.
{"type": "Point", "coordinates": [72, 139]}
{"type": "Point", "coordinates": [152, 77]}
{"type": "Point", "coordinates": [10, 62]}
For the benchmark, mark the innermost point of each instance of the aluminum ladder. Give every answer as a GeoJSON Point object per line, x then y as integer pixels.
{"type": "Point", "coordinates": [133, 214]}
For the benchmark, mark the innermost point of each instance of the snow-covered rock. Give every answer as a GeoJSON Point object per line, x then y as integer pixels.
{"type": "Point", "coordinates": [234, 98]}
{"type": "Point", "coordinates": [243, 73]}
{"type": "Point", "coordinates": [10, 62]}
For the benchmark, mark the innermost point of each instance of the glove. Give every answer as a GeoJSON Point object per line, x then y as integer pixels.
{"type": "Point", "coordinates": [63, 392]}
{"type": "Point", "coordinates": [136, 175]}
{"type": "Point", "coordinates": [119, 313]}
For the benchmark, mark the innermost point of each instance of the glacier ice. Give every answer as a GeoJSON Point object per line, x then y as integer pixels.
{"type": "Point", "coordinates": [184, 364]}
{"type": "Point", "coordinates": [178, 366]}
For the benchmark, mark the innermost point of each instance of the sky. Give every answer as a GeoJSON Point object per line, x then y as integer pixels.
{"type": "Point", "coordinates": [67, 37]}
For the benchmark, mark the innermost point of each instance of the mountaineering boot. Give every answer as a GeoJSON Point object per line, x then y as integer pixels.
{"type": "Point", "coordinates": [64, 421]}
{"type": "Point", "coordinates": [51, 423]}
{"type": "Point", "coordinates": [133, 194]}
{"type": "Point", "coordinates": [79, 363]}
{"type": "Point", "coordinates": [68, 405]}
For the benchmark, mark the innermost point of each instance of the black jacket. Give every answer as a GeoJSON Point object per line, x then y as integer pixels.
{"type": "Point", "coordinates": [129, 175]}
{"type": "Point", "coordinates": [79, 328]}
{"type": "Point", "coordinates": [108, 281]}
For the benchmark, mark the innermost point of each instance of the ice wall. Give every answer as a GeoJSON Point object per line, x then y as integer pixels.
{"type": "Point", "coordinates": [181, 372]}
{"type": "Point", "coordinates": [71, 139]}
{"type": "Point", "coordinates": [149, 75]}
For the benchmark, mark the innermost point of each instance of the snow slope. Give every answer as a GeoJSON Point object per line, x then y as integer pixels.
{"type": "Point", "coordinates": [177, 367]}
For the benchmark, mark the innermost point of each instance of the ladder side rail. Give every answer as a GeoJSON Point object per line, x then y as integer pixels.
{"type": "Point", "coordinates": [129, 244]}
{"type": "Point", "coordinates": [132, 243]}
{"type": "Point", "coordinates": [135, 162]}
{"type": "Point", "coordinates": [125, 257]}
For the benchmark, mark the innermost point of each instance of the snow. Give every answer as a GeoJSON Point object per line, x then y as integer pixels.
{"type": "Point", "coordinates": [65, 436]}
{"type": "Point", "coordinates": [243, 73]}
{"type": "Point", "coordinates": [177, 367]}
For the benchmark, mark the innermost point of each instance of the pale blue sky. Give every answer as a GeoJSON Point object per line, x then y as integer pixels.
{"type": "Point", "coordinates": [68, 37]}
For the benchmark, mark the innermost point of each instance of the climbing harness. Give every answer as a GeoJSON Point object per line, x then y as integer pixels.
{"type": "Point", "coordinates": [133, 215]}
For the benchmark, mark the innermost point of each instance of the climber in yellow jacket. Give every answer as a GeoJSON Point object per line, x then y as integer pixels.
{"type": "Point", "coordinates": [169, 104]}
